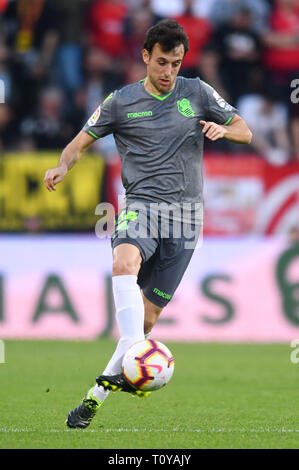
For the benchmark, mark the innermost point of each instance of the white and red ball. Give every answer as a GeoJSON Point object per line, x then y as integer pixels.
{"type": "Point", "coordinates": [148, 365]}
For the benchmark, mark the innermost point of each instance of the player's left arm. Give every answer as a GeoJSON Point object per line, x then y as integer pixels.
{"type": "Point", "coordinates": [236, 131]}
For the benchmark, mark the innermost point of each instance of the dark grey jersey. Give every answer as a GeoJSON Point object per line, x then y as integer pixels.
{"type": "Point", "coordinates": [159, 138]}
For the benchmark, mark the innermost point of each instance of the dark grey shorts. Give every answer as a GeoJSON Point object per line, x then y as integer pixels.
{"type": "Point", "coordinates": [166, 250]}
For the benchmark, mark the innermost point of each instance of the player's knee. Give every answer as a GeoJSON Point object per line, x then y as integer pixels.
{"type": "Point", "coordinates": [126, 260]}
{"type": "Point", "coordinates": [125, 267]}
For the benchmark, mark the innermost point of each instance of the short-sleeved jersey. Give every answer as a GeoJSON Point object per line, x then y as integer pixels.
{"type": "Point", "coordinates": [159, 138]}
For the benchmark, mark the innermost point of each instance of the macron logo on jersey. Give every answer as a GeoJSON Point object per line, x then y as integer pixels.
{"type": "Point", "coordinates": [140, 114]}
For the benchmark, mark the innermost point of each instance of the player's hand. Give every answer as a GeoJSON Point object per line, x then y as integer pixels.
{"type": "Point", "coordinates": [54, 176]}
{"type": "Point", "coordinates": [212, 130]}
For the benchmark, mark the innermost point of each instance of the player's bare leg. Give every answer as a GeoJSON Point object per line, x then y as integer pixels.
{"type": "Point", "coordinates": [151, 315]}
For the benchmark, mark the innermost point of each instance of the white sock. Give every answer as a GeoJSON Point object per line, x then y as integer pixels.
{"type": "Point", "coordinates": [130, 319]}
{"type": "Point", "coordinates": [99, 392]}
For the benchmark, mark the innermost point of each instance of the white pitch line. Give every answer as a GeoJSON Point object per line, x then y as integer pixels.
{"type": "Point", "coordinates": [148, 430]}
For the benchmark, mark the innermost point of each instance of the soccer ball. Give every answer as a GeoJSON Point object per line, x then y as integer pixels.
{"type": "Point", "coordinates": [148, 365]}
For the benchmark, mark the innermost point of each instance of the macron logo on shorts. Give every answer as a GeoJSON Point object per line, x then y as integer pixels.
{"type": "Point", "coordinates": [162, 294]}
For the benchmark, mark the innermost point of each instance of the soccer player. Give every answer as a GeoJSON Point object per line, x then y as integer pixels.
{"type": "Point", "coordinates": [159, 126]}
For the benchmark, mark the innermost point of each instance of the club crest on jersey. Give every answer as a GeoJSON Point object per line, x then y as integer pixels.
{"type": "Point", "coordinates": [185, 108]}
{"type": "Point", "coordinates": [93, 119]}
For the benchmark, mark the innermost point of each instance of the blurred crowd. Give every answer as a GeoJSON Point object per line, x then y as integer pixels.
{"type": "Point", "coordinates": [60, 58]}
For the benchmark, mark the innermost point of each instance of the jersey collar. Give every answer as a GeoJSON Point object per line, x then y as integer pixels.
{"type": "Point", "coordinates": [158, 97]}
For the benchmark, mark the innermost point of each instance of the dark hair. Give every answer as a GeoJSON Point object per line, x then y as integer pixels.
{"type": "Point", "coordinates": [169, 34]}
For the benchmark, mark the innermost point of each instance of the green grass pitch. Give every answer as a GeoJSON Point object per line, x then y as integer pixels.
{"type": "Point", "coordinates": [220, 396]}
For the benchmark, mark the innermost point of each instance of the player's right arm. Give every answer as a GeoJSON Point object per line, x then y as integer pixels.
{"type": "Point", "coordinates": [70, 155]}
{"type": "Point", "coordinates": [100, 124]}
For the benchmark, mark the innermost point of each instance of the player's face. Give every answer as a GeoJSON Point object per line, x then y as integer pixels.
{"type": "Point", "coordinates": [162, 68]}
